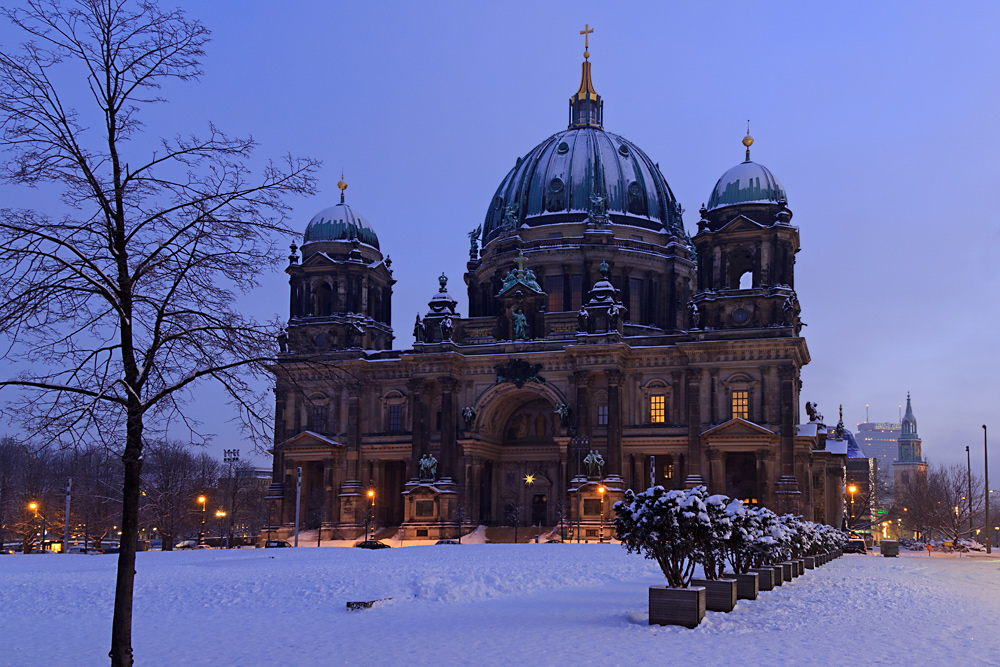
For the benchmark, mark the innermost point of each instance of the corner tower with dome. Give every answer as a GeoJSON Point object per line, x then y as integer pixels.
{"type": "Point", "coordinates": [603, 348]}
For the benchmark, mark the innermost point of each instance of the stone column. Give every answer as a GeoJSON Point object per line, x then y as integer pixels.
{"type": "Point", "coordinates": [761, 410]}
{"type": "Point", "coordinates": [693, 395]}
{"type": "Point", "coordinates": [716, 471]}
{"type": "Point", "coordinates": [614, 463]}
{"type": "Point", "coordinates": [418, 445]}
{"type": "Point", "coordinates": [714, 409]}
{"type": "Point", "coordinates": [448, 426]}
{"type": "Point", "coordinates": [676, 394]}
{"type": "Point", "coordinates": [583, 381]}
{"type": "Point", "coordinates": [763, 477]}
{"type": "Point", "coordinates": [354, 431]}
{"type": "Point", "coordinates": [787, 487]}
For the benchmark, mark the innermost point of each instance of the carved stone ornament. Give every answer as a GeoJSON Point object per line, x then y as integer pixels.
{"type": "Point", "coordinates": [518, 371]}
{"type": "Point", "coordinates": [469, 415]}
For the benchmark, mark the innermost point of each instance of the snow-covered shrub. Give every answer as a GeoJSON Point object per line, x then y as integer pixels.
{"type": "Point", "coordinates": [766, 549]}
{"type": "Point", "coordinates": [712, 551]}
{"type": "Point", "coordinates": [796, 534]}
{"type": "Point", "coordinates": [745, 529]}
{"type": "Point", "coordinates": [666, 526]}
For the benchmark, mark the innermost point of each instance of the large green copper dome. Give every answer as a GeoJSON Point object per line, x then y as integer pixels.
{"type": "Point", "coordinates": [559, 180]}
{"type": "Point", "coordinates": [580, 171]}
{"type": "Point", "coordinates": [339, 223]}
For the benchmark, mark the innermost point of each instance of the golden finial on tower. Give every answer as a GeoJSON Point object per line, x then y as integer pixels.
{"type": "Point", "coordinates": [586, 39]}
{"type": "Point", "coordinates": [342, 185]}
{"type": "Point", "coordinates": [748, 141]}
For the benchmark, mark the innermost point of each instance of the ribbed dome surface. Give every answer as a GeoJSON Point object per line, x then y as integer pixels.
{"type": "Point", "coordinates": [747, 183]}
{"type": "Point", "coordinates": [558, 179]}
{"type": "Point", "coordinates": [339, 223]}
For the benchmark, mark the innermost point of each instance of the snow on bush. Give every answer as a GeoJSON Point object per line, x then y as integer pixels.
{"type": "Point", "coordinates": [666, 526]}
{"type": "Point", "coordinates": [680, 528]}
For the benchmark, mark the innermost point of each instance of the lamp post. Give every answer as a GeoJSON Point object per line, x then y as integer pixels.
{"type": "Point", "coordinates": [579, 444]}
{"type": "Point", "coordinates": [371, 512]}
{"type": "Point", "coordinates": [852, 489]}
{"type": "Point", "coordinates": [231, 457]}
{"type": "Point", "coordinates": [600, 490]}
{"type": "Point", "coordinates": [986, 471]}
{"type": "Point", "coordinates": [219, 516]}
{"type": "Point", "coordinates": [33, 506]}
{"type": "Point", "coordinates": [201, 535]}
{"type": "Point", "coordinates": [968, 461]}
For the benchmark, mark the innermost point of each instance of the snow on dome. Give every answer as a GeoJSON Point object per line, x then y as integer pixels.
{"type": "Point", "coordinates": [558, 180]}
{"type": "Point", "coordinates": [339, 223]}
{"type": "Point", "coordinates": [747, 183]}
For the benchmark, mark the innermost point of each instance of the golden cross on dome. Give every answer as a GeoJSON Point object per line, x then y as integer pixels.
{"type": "Point", "coordinates": [586, 39]}
{"type": "Point", "coordinates": [520, 260]}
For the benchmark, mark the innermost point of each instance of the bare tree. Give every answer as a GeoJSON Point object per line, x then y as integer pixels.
{"type": "Point", "coordinates": [948, 487]}
{"type": "Point", "coordinates": [125, 297]}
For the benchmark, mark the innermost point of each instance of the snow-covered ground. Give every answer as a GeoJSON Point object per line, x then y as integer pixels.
{"type": "Point", "coordinates": [483, 604]}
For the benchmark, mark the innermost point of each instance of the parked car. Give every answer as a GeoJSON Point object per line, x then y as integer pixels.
{"type": "Point", "coordinates": [855, 546]}
{"type": "Point", "coordinates": [80, 549]}
{"type": "Point", "coordinates": [191, 544]}
{"type": "Point", "coordinates": [372, 544]}
{"type": "Point", "coordinates": [276, 544]}
{"type": "Point", "coordinates": [447, 542]}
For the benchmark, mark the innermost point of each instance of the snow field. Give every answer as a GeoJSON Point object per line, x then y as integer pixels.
{"type": "Point", "coordinates": [490, 605]}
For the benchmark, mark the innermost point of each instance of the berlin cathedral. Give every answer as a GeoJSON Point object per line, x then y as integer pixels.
{"type": "Point", "coordinates": [604, 348]}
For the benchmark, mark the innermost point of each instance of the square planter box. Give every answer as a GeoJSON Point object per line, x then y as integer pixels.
{"type": "Point", "coordinates": [810, 562]}
{"type": "Point", "coordinates": [788, 570]}
{"type": "Point", "coordinates": [801, 564]}
{"type": "Point", "coordinates": [720, 594]}
{"type": "Point", "coordinates": [890, 548]}
{"type": "Point", "coordinates": [779, 575]}
{"type": "Point", "coordinates": [747, 585]}
{"type": "Point", "coordinates": [676, 606]}
{"type": "Point", "coordinates": [765, 577]}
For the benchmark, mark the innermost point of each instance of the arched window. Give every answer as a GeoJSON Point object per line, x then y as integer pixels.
{"type": "Point", "coordinates": [324, 300]}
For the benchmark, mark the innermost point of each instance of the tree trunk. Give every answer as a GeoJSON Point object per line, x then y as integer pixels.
{"type": "Point", "coordinates": [121, 625]}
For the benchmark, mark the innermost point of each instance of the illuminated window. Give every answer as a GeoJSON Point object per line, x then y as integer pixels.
{"type": "Point", "coordinates": [602, 415]}
{"type": "Point", "coordinates": [741, 404]}
{"type": "Point", "coordinates": [668, 471]}
{"type": "Point", "coordinates": [657, 409]}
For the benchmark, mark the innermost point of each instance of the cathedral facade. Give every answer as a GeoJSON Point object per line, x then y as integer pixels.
{"type": "Point", "coordinates": [604, 349]}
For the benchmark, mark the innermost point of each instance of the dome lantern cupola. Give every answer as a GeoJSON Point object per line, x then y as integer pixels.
{"type": "Point", "coordinates": [586, 108]}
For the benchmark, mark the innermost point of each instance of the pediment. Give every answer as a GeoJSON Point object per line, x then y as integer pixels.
{"type": "Point", "coordinates": [738, 428]}
{"type": "Point", "coordinates": [741, 223]}
{"type": "Point", "coordinates": [310, 440]}
{"type": "Point", "coordinates": [319, 259]}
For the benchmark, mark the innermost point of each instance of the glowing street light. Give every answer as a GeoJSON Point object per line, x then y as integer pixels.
{"type": "Point", "coordinates": [601, 490]}
{"type": "Point", "coordinates": [371, 512]}
{"type": "Point", "coordinates": [201, 535]}
{"type": "Point", "coordinates": [852, 489]}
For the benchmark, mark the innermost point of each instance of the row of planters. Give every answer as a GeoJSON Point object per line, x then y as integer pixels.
{"type": "Point", "coordinates": [681, 529]}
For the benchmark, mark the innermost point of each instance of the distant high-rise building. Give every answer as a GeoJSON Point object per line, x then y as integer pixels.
{"type": "Point", "coordinates": [879, 441]}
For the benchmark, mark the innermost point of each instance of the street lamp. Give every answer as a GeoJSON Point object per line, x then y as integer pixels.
{"type": "Point", "coordinates": [371, 512]}
{"type": "Point", "coordinates": [986, 471]}
{"type": "Point", "coordinates": [219, 516]}
{"type": "Point", "coordinates": [852, 489]}
{"type": "Point", "coordinates": [579, 444]}
{"type": "Point", "coordinates": [201, 535]}
{"type": "Point", "coordinates": [33, 506]}
{"type": "Point", "coordinates": [600, 490]}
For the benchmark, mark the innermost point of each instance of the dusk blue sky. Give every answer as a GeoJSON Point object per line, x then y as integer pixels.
{"type": "Point", "coordinates": [880, 119]}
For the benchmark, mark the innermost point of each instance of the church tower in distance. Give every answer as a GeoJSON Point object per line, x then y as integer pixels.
{"type": "Point", "coordinates": [909, 466]}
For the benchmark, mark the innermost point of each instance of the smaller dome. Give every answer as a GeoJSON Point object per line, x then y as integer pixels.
{"type": "Point", "coordinates": [339, 223]}
{"type": "Point", "coordinates": [747, 183]}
